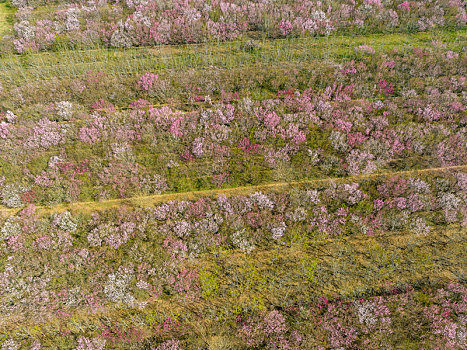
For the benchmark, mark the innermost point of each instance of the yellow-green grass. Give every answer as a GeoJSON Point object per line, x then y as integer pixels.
{"type": "Point", "coordinates": [5, 17]}
{"type": "Point", "coordinates": [65, 63]}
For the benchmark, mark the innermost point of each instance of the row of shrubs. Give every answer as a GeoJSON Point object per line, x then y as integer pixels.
{"type": "Point", "coordinates": [43, 25]}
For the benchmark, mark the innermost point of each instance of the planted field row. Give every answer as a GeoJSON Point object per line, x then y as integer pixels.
{"type": "Point", "coordinates": [53, 25]}
{"type": "Point", "coordinates": [146, 150]}
{"type": "Point", "coordinates": [147, 201]}
{"type": "Point", "coordinates": [18, 69]}
{"type": "Point", "coordinates": [437, 60]}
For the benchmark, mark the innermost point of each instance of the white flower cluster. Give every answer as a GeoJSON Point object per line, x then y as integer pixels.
{"type": "Point", "coordinates": [11, 195]}
{"type": "Point", "coordinates": [143, 285]}
{"type": "Point", "coordinates": [278, 231]}
{"type": "Point", "coordinates": [136, 3]}
{"type": "Point", "coordinates": [25, 30]}
{"type": "Point", "coordinates": [114, 236]}
{"type": "Point", "coordinates": [240, 241]}
{"type": "Point", "coordinates": [123, 152]}
{"type": "Point", "coordinates": [20, 3]}
{"type": "Point", "coordinates": [182, 229]}
{"type": "Point", "coordinates": [350, 193]}
{"type": "Point", "coordinates": [90, 344]}
{"type": "Point", "coordinates": [314, 156]}
{"type": "Point", "coordinates": [116, 288]}
{"type": "Point", "coordinates": [209, 224]}
{"type": "Point", "coordinates": [120, 38]}
{"type": "Point", "coordinates": [313, 196]}
{"type": "Point", "coordinates": [197, 147]}
{"type": "Point", "coordinates": [156, 184]}
{"type": "Point", "coordinates": [54, 160]}
{"type": "Point", "coordinates": [262, 200]}
{"type": "Point", "coordinates": [10, 228]}
{"type": "Point", "coordinates": [338, 141]}
{"type": "Point", "coordinates": [420, 227]}
{"type": "Point", "coordinates": [299, 214]}
{"type": "Point", "coordinates": [64, 110]}
{"type": "Point", "coordinates": [448, 201]}
{"type": "Point", "coordinates": [419, 186]}
{"type": "Point", "coordinates": [365, 313]}
{"type": "Point", "coordinates": [10, 116]}
{"type": "Point", "coordinates": [65, 222]}
{"type": "Point", "coordinates": [74, 297]}
{"type": "Point", "coordinates": [72, 21]}
{"type": "Point", "coordinates": [10, 344]}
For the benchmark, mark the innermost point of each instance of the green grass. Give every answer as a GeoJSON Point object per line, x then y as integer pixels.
{"type": "Point", "coordinates": [5, 17]}
{"type": "Point", "coordinates": [65, 64]}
